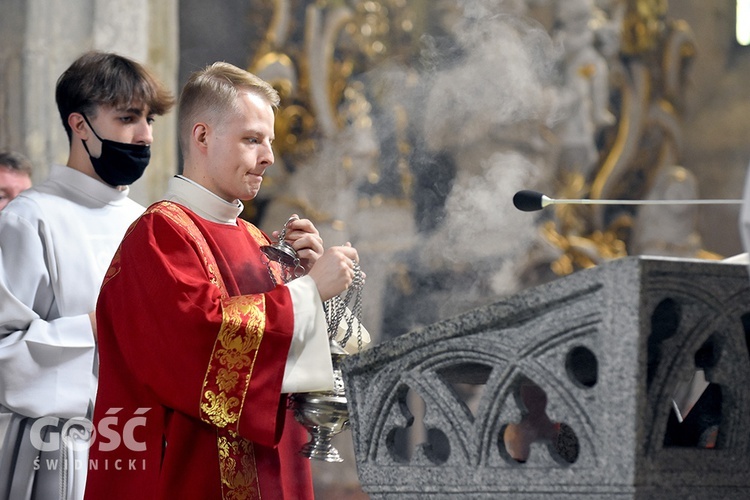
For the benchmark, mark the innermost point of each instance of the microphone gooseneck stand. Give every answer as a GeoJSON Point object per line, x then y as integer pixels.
{"type": "Point", "coordinates": [531, 201]}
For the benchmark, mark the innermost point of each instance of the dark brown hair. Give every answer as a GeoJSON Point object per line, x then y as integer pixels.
{"type": "Point", "coordinates": [103, 78]}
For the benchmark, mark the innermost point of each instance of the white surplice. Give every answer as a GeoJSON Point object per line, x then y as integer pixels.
{"type": "Point", "coordinates": [56, 242]}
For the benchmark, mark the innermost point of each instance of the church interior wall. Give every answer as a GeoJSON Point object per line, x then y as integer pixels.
{"type": "Point", "coordinates": [717, 123]}
{"type": "Point", "coordinates": [176, 37]}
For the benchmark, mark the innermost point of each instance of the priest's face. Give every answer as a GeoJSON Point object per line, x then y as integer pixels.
{"type": "Point", "coordinates": [239, 149]}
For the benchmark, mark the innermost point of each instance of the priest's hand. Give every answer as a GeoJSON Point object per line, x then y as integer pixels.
{"type": "Point", "coordinates": [334, 270]}
{"type": "Point", "coordinates": [302, 235]}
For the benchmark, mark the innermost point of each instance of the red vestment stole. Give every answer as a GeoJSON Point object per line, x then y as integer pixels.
{"type": "Point", "coordinates": [255, 444]}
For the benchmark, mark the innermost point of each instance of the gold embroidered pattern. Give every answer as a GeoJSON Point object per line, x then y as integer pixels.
{"type": "Point", "coordinates": [179, 217]}
{"type": "Point", "coordinates": [221, 408]}
{"type": "Point", "coordinates": [239, 477]}
{"type": "Point", "coordinates": [116, 265]}
{"type": "Point", "coordinates": [228, 375]}
{"type": "Point", "coordinates": [235, 351]}
{"type": "Point", "coordinates": [113, 269]}
{"type": "Point", "coordinates": [256, 233]}
{"type": "Point", "coordinates": [226, 379]}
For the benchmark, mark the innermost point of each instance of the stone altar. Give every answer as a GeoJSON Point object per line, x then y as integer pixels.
{"type": "Point", "coordinates": [566, 391]}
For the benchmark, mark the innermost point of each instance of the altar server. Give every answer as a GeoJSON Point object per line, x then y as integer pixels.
{"type": "Point", "coordinates": [56, 241]}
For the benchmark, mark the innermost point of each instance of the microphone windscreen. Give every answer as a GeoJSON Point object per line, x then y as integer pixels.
{"type": "Point", "coordinates": [528, 201]}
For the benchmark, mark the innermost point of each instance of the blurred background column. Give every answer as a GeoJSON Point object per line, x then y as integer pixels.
{"type": "Point", "coordinates": [39, 39]}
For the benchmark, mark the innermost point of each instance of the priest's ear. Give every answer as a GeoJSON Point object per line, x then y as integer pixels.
{"type": "Point", "coordinates": [199, 137]}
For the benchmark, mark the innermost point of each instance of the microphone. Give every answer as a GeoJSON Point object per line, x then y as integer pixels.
{"type": "Point", "coordinates": [531, 201]}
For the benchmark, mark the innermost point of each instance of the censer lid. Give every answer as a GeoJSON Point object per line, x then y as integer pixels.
{"type": "Point", "coordinates": [281, 252]}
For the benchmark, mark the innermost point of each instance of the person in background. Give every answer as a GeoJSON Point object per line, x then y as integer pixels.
{"type": "Point", "coordinates": [15, 176]}
{"type": "Point", "coordinates": [56, 241]}
{"type": "Point", "coordinates": [199, 337]}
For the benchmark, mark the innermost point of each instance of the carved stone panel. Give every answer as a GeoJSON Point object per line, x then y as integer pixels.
{"type": "Point", "coordinates": [623, 381]}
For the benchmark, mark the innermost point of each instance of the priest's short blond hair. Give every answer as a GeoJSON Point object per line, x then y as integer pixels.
{"type": "Point", "coordinates": [214, 90]}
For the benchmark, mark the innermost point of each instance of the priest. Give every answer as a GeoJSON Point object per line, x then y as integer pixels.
{"type": "Point", "coordinates": [200, 339]}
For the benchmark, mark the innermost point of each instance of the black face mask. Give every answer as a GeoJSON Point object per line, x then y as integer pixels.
{"type": "Point", "coordinates": [120, 164]}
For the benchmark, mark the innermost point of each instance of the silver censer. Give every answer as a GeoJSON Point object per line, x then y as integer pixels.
{"type": "Point", "coordinates": [324, 414]}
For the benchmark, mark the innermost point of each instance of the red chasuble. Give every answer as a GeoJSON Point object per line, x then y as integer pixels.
{"type": "Point", "coordinates": [193, 340]}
